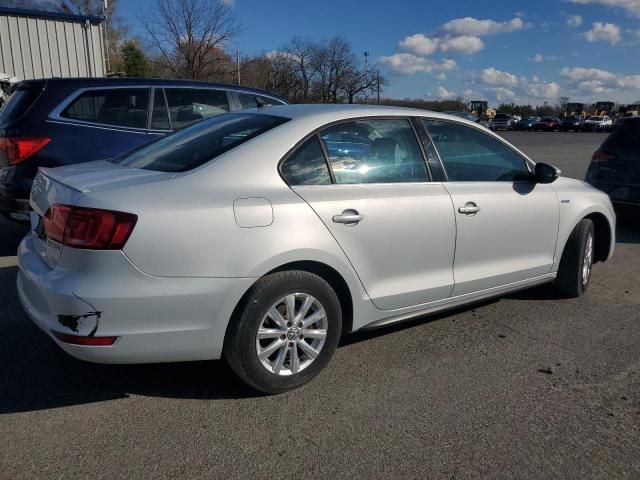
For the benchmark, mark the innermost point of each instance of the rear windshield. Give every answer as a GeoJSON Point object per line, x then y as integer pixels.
{"type": "Point", "coordinates": [200, 143]}
{"type": "Point", "coordinates": [502, 115]}
{"type": "Point", "coordinates": [627, 135]}
{"type": "Point", "coordinates": [18, 104]}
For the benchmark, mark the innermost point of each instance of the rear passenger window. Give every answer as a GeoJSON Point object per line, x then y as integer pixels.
{"type": "Point", "coordinates": [190, 105]}
{"type": "Point", "coordinates": [470, 155]}
{"type": "Point", "coordinates": [307, 165]}
{"type": "Point", "coordinates": [374, 151]}
{"type": "Point", "coordinates": [123, 107]}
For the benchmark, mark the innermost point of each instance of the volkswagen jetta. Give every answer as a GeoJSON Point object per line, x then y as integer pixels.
{"type": "Point", "coordinates": [262, 237]}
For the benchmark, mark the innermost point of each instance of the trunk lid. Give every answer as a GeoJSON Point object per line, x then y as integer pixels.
{"type": "Point", "coordinates": [66, 185]}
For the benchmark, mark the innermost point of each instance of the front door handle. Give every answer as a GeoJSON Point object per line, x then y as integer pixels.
{"type": "Point", "coordinates": [348, 217]}
{"type": "Point", "coordinates": [470, 208]}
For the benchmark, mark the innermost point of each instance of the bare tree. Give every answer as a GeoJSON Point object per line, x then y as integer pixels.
{"type": "Point", "coordinates": [190, 36]}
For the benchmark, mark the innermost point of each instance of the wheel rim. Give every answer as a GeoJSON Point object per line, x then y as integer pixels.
{"type": "Point", "coordinates": [588, 260]}
{"type": "Point", "coordinates": [291, 335]}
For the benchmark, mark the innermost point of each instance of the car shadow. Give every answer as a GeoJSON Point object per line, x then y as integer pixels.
{"type": "Point", "coordinates": [628, 228]}
{"type": "Point", "coordinates": [10, 237]}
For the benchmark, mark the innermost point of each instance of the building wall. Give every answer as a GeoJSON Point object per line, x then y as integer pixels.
{"type": "Point", "coordinates": [33, 47]}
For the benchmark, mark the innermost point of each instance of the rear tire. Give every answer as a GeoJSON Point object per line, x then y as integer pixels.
{"type": "Point", "coordinates": [270, 343]}
{"type": "Point", "coordinates": [576, 263]}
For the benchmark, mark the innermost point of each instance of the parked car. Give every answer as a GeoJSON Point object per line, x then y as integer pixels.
{"type": "Point", "coordinates": [48, 123]}
{"type": "Point", "coordinates": [615, 166]}
{"type": "Point", "coordinates": [527, 123]}
{"type": "Point", "coordinates": [547, 124]}
{"type": "Point", "coordinates": [597, 124]}
{"type": "Point", "coordinates": [173, 252]}
{"type": "Point", "coordinates": [503, 121]}
{"type": "Point", "coordinates": [571, 124]}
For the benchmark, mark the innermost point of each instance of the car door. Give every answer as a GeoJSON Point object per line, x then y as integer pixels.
{"type": "Point", "coordinates": [507, 225]}
{"type": "Point", "coordinates": [367, 180]}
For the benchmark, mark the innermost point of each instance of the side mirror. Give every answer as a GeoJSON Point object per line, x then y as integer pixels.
{"type": "Point", "coordinates": [545, 173]}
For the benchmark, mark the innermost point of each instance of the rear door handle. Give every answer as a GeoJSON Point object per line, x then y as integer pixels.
{"type": "Point", "coordinates": [348, 217]}
{"type": "Point", "coordinates": [470, 208]}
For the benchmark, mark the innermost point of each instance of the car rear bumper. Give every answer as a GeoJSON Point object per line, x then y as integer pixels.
{"type": "Point", "coordinates": [155, 319]}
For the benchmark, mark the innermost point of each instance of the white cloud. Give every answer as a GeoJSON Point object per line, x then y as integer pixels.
{"type": "Point", "coordinates": [576, 74]}
{"type": "Point", "coordinates": [492, 76]}
{"type": "Point", "coordinates": [542, 90]}
{"type": "Point", "coordinates": [419, 44]}
{"type": "Point", "coordinates": [229, 3]}
{"type": "Point", "coordinates": [408, 64]}
{"type": "Point", "coordinates": [463, 44]}
{"type": "Point", "coordinates": [605, 32]}
{"type": "Point", "coordinates": [574, 20]}
{"type": "Point", "coordinates": [473, 27]}
{"type": "Point", "coordinates": [632, 7]}
{"type": "Point", "coordinates": [441, 76]}
{"type": "Point", "coordinates": [539, 58]}
{"type": "Point", "coordinates": [444, 93]}
{"type": "Point", "coordinates": [596, 81]}
{"type": "Point", "coordinates": [503, 94]}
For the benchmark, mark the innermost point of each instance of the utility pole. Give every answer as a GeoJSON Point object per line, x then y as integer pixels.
{"type": "Point", "coordinates": [105, 6]}
{"type": "Point", "coordinates": [238, 64]}
{"type": "Point", "coordinates": [366, 74]}
{"type": "Point", "coordinates": [378, 84]}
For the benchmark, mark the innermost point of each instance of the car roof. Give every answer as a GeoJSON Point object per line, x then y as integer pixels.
{"type": "Point", "coordinates": [73, 83]}
{"type": "Point", "coordinates": [336, 112]}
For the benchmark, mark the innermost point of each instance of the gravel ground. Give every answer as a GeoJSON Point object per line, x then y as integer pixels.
{"type": "Point", "coordinates": [527, 386]}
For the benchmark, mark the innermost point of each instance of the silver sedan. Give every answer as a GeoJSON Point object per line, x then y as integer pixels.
{"type": "Point", "coordinates": [264, 236]}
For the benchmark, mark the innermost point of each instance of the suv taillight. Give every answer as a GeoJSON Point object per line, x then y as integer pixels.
{"type": "Point", "coordinates": [18, 150]}
{"type": "Point", "coordinates": [91, 228]}
{"type": "Point", "coordinates": [600, 156]}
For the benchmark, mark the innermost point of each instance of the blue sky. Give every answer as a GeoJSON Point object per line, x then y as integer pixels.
{"type": "Point", "coordinates": [520, 50]}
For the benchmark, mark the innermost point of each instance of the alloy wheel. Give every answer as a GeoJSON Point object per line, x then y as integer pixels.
{"type": "Point", "coordinates": [291, 334]}
{"type": "Point", "coordinates": [588, 260]}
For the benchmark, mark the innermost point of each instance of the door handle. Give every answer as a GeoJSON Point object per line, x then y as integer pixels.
{"type": "Point", "coordinates": [470, 208]}
{"type": "Point", "coordinates": [348, 217]}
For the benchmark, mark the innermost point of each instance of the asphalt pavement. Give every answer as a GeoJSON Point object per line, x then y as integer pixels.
{"type": "Point", "coordinates": [525, 386]}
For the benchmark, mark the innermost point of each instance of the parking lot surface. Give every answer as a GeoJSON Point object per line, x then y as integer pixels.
{"type": "Point", "coordinates": [527, 386]}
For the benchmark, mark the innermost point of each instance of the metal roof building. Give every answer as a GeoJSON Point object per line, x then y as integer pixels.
{"type": "Point", "coordinates": [37, 44]}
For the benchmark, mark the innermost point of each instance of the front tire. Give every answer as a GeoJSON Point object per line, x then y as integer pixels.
{"type": "Point", "coordinates": [576, 263]}
{"type": "Point", "coordinates": [286, 331]}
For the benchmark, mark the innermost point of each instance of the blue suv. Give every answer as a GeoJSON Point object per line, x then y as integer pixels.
{"type": "Point", "coordinates": [54, 122]}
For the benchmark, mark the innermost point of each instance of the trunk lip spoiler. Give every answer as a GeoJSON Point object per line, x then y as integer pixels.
{"type": "Point", "coordinates": [48, 172]}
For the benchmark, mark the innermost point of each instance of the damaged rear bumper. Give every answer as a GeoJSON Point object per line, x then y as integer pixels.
{"type": "Point", "coordinates": [155, 319]}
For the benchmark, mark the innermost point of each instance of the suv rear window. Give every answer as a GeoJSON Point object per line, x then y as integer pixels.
{"type": "Point", "coordinates": [19, 102]}
{"type": "Point", "coordinates": [122, 107]}
{"type": "Point", "coordinates": [200, 143]}
{"type": "Point", "coordinates": [627, 135]}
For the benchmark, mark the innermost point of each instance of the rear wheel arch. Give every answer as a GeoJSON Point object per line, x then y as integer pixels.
{"type": "Point", "coordinates": [335, 280]}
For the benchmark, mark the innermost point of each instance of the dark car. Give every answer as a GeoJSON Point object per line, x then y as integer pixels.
{"type": "Point", "coordinates": [571, 124]}
{"type": "Point", "coordinates": [527, 123]}
{"type": "Point", "coordinates": [53, 122]}
{"type": "Point", "coordinates": [547, 124]}
{"type": "Point", "coordinates": [615, 166]}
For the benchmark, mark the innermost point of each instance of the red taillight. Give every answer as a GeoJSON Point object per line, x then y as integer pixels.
{"type": "Point", "coordinates": [92, 228]}
{"type": "Point", "coordinates": [87, 341]}
{"type": "Point", "coordinates": [18, 150]}
{"type": "Point", "coordinates": [600, 156]}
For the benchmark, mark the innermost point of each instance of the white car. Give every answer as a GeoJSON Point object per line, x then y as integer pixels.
{"type": "Point", "coordinates": [263, 236]}
{"type": "Point", "coordinates": [596, 123]}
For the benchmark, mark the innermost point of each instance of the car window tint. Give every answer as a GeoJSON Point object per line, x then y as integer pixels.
{"type": "Point", "coordinates": [190, 105]}
{"type": "Point", "coordinates": [248, 100]}
{"type": "Point", "coordinates": [200, 143]}
{"type": "Point", "coordinates": [307, 165]}
{"type": "Point", "coordinates": [626, 135]}
{"type": "Point", "coordinates": [470, 155]}
{"type": "Point", "coordinates": [374, 151]}
{"type": "Point", "coordinates": [160, 115]}
{"type": "Point", "coordinates": [124, 107]}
